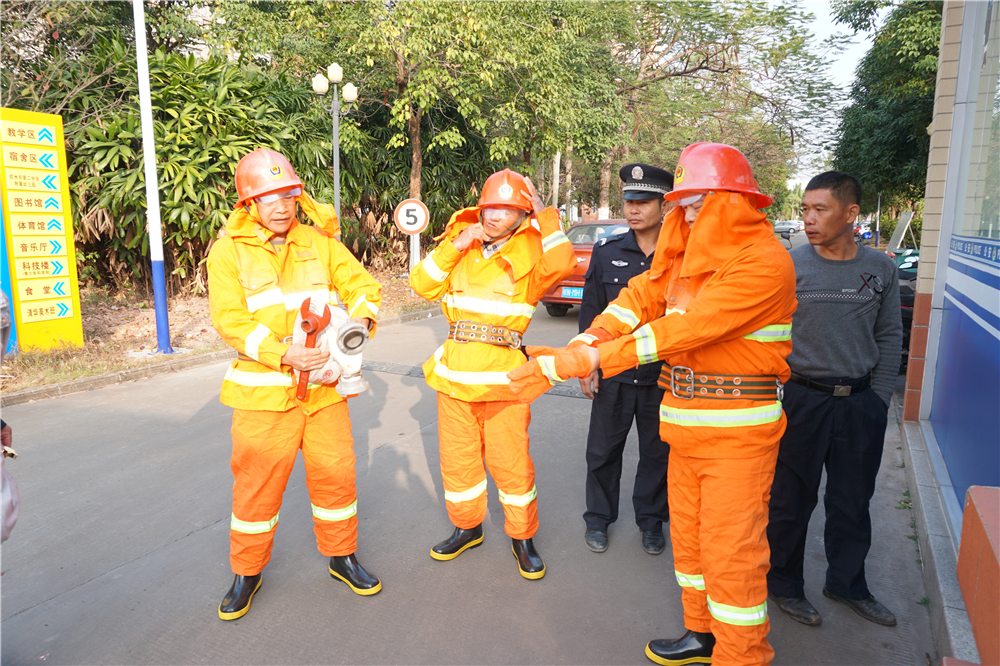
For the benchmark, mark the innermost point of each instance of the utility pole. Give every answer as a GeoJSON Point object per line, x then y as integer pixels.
{"type": "Point", "coordinates": [152, 182]}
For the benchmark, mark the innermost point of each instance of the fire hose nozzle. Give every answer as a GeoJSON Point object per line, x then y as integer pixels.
{"type": "Point", "coordinates": [352, 338]}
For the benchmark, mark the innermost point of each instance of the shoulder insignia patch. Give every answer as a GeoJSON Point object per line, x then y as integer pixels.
{"type": "Point", "coordinates": [604, 240]}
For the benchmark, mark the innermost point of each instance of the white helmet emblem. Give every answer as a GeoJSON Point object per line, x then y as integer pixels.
{"type": "Point", "coordinates": [505, 191]}
{"type": "Point", "coordinates": [637, 172]}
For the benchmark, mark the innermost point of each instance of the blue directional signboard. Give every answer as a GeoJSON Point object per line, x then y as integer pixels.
{"type": "Point", "coordinates": [38, 230]}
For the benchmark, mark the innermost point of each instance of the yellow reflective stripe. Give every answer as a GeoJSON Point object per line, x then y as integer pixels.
{"type": "Point", "coordinates": [721, 418]}
{"type": "Point", "coordinates": [623, 315]}
{"type": "Point", "coordinates": [467, 377]}
{"type": "Point", "coordinates": [554, 239]}
{"type": "Point", "coordinates": [518, 500]}
{"type": "Point", "coordinates": [252, 342]}
{"type": "Point", "coordinates": [336, 514]}
{"type": "Point", "coordinates": [645, 344]}
{"type": "Point", "coordinates": [743, 617]}
{"type": "Point", "coordinates": [690, 580]}
{"type": "Point", "coordinates": [295, 301]}
{"type": "Point", "coordinates": [466, 495]}
{"type": "Point", "coordinates": [482, 306]}
{"type": "Point", "coordinates": [548, 366]}
{"type": "Point", "coordinates": [334, 298]}
{"type": "Point", "coordinates": [261, 379]}
{"type": "Point", "coordinates": [363, 301]}
{"type": "Point", "coordinates": [586, 338]}
{"type": "Point", "coordinates": [773, 333]}
{"type": "Point", "coordinates": [432, 269]}
{"type": "Point", "coordinates": [264, 299]}
{"type": "Point", "coordinates": [246, 527]}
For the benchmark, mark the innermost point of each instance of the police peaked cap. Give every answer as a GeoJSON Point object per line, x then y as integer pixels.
{"type": "Point", "coordinates": [642, 181]}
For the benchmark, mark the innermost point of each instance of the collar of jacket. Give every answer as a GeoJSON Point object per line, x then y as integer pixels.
{"type": "Point", "coordinates": [244, 227]}
{"type": "Point", "coordinates": [245, 223]}
{"type": "Point", "coordinates": [523, 251]}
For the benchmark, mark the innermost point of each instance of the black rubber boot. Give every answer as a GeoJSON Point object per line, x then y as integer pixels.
{"type": "Point", "coordinates": [691, 648]}
{"type": "Point", "coordinates": [528, 560]}
{"type": "Point", "coordinates": [459, 542]}
{"type": "Point", "coordinates": [347, 569]}
{"type": "Point", "coordinates": [236, 603]}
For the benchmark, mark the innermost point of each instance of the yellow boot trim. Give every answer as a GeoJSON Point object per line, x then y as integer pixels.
{"type": "Point", "coordinates": [529, 576]}
{"type": "Point", "coordinates": [445, 558]}
{"type": "Point", "coordinates": [676, 662]}
{"type": "Point", "coordinates": [357, 590]}
{"type": "Point", "coordinates": [243, 611]}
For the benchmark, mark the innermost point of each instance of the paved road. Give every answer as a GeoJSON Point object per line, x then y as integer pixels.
{"type": "Point", "coordinates": [120, 555]}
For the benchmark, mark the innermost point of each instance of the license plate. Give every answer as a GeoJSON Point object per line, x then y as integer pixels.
{"type": "Point", "coordinates": [572, 292]}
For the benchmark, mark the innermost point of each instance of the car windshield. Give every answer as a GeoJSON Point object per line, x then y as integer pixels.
{"type": "Point", "coordinates": [591, 233]}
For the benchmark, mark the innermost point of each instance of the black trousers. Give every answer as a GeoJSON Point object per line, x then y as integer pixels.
{"type": "Point", "coordinates": [846, 434]}
{"type": "Point", "coordinates": [615, 406]}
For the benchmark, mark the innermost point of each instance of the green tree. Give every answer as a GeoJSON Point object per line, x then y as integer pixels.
{"type": "Point", "coordinates": [882, 137]}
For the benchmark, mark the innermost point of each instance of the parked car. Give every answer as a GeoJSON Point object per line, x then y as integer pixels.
{"type": "Point", "coordinates": [786, 225]}
{"type": "Point", "coordinates": [569, 292]}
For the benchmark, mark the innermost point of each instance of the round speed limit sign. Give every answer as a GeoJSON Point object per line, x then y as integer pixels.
{"type": "Point", "coordinates": [411, 216]}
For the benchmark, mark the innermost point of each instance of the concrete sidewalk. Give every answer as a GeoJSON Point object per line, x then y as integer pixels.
{"type": "Point", "coordinates": [121, 552]}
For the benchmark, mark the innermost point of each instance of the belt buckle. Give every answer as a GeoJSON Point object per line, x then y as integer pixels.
{"type": "Point", "coordinates": [780, 390]}
{"type": "Point", "coordinates": [515, 338]}
{"type": "Point", "coordinates": [841, 391]}
{"type": "Point", "coordinates": [688, 390]}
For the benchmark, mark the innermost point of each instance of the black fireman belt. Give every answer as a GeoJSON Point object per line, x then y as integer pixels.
{"type": "Point", "coordinates": [685, 383]}
{"type": "Point", "coordinates": [837, 390]}
{"type": "Point", "coordinates": [464, 330]}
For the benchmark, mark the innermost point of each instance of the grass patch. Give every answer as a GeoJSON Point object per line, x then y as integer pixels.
{"type": "Point", "coordinates": [925, 602]}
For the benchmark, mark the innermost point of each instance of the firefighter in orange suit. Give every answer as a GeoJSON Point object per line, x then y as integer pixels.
{"type": "Point", "coordinates": [495, 262]}
{"type": "Point", "coordinates": [260, 272]}
{"type": "Point", "coordinates": [716, 306]}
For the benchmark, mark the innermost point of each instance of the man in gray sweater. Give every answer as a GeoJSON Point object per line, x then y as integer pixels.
{"type": "Point", "coordinates": [846, 347]}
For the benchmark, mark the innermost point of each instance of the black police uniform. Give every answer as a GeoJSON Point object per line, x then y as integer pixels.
{"type": "Point", "coordinates": [631, 395]}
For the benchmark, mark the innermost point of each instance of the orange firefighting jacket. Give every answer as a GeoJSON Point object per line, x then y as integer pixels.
{"type": "Point", "coordinates": [718, 299]}
{"type": "Point", "coordinates": [501, 291]}
{"type": "Point", "coordinates": [255, 291]}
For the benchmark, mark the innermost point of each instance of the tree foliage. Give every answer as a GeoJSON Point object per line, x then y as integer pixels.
{"type": "Point", "coordinates": [882, 138]}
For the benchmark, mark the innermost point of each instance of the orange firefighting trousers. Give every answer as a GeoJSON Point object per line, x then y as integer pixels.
{"type": "Point", "coordinates": [265, 445]}
{"type": "Point", "coordinates": [718, 523]}
{"type": "Point", "coordinates": [468, 432]}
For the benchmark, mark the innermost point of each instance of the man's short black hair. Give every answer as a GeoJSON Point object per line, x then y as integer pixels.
{"type": "Point", "coordinates": [844, 187]}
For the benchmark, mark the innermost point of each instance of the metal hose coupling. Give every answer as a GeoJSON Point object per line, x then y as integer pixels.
{"type": "Point", "coordinates": [352, 338]}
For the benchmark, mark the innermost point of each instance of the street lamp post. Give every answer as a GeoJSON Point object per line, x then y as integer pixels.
{"type": "Point", "coordinates": [321, 85]}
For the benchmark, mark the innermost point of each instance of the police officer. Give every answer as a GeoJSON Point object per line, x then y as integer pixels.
{"type": "Point", "coordinates": [633, 394]}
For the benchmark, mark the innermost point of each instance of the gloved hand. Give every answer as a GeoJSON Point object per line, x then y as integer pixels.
{"type": "Point", "coordinates": [548, 366]}
{"type": "Point", "coordinates": [601, 335]}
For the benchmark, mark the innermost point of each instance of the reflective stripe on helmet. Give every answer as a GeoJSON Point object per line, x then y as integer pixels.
{"type": "Point", "coordinates": [271, 198]}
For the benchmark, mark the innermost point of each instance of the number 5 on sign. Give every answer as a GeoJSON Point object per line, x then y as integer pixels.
{"type": "Point", "coordinates": [411, 217]}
